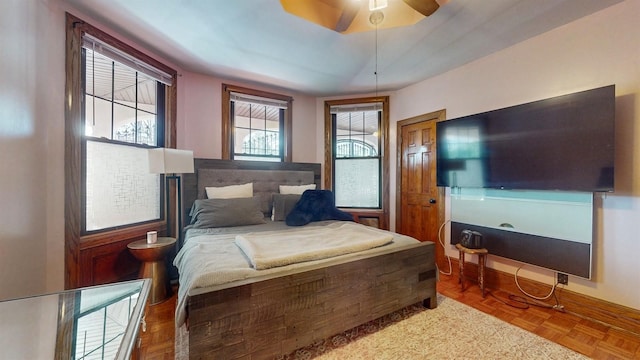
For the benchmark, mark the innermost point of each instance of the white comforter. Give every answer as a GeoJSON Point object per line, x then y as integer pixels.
{"type": "Point", "coordinates": [279, 248]}
{"type": "Point", "coordinates": [207, 260]}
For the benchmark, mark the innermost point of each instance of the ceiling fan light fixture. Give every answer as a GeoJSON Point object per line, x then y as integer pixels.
{"type": "Point", "coordinates": [377, 4]}
{"type": "Point", "coordinates": [376, 17]}
{"type": "Point", "coordinates": [352, 16]}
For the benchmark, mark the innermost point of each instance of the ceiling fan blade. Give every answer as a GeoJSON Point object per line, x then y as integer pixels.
{"type": "Point", "coordinates": [424, 7]}
{"type": "Point", "coordinates": [348, 14]}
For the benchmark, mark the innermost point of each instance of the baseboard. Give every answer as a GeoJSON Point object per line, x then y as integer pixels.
{"type": "Point", "coordinates": [615, 315]}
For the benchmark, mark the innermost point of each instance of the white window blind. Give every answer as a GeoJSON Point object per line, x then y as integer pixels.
{"type": "Point", "coordinates": [134, 63]}
{"type": "Point", "coordinates": [336, 109]}
{"type": "Point", "coordinates": [357, 183]}
{"type": "Point", "coordinates": [252, 99]}
{"type": "Point", "coordinates": [119, 188]}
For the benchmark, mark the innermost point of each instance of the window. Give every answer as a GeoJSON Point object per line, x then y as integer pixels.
{"type": "Point", "coordinates": [257, 142]}
{"type": "Point", "coordinates": [256, 130]}
{"type": "Point", "coordinates": [258, 126]}
{"type": "Point", "coordinates": [356, 160]}
{"type": "Point", "coordinates": [122, 119]}
{"type": "Point", "coordinates": [356, 168]}
{"type": "Point", "coordinates": [354, 148]}
{"type": "Point", "coordinates": [119, 102]}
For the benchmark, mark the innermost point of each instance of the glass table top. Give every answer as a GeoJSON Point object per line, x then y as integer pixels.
{"type": "Point", "coordinates": [99, 322]}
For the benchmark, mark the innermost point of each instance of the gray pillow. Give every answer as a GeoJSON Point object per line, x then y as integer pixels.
{"type": "Point", "coordinates": [283, 204]}
{"type": "Point", "coordinates": [211, 213]}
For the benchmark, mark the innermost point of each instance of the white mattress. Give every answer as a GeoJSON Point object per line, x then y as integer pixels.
{"type": "Point", "coordinates": [210, 257]}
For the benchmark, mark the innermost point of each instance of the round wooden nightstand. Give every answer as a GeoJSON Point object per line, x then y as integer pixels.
{"type": "Point", "coordinates": [152, 257]}
{"type": "Point", "coordinates": [482, 254]}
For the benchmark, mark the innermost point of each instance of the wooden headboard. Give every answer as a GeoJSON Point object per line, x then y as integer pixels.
{"type": "Point", "coordinates": [265, 176]}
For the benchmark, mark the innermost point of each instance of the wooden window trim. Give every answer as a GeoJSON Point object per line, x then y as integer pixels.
{"type": "Point", "coordinates": [383, 213]}
{"type": "Point", "coordinates": [74, 130]}
{"type": "Point", "coordinates": [227, 128]}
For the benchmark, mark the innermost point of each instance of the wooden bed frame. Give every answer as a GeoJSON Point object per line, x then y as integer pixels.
{"type": "Point", "coordinates": [276, 314]}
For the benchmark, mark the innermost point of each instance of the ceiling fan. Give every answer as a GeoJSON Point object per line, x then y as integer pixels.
{"type": "Point", "coordinates": [424, 7]}
{"type": "Point", "coordinates": [348, 16]}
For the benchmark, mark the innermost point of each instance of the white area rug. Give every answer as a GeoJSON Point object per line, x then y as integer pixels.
{"type": "Point", "coordinates": [451, 331]}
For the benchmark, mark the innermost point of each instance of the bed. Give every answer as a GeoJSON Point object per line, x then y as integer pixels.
{"type": "Point", "coordinates": [260, 314]}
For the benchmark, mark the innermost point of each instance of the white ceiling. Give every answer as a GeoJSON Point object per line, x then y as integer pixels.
{"type": "Point", "coordinates": [256, 41]}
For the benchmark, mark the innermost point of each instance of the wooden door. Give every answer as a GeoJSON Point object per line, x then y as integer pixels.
{"type": "Point", "coordinates": [420, 212]}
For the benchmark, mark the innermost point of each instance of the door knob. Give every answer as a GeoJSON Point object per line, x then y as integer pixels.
{"type": "Point", "coordinates": [432, 201]}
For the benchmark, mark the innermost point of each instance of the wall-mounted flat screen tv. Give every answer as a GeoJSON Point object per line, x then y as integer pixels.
{"type": "Point", "coordinates": [561, 143]}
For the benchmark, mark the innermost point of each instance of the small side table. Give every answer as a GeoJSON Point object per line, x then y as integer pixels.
{"type": "Point", "coordinates": [152, 257]}
{"type": "Point", "coordinates": [482, 254]}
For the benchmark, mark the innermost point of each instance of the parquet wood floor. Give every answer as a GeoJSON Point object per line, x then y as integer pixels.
{"type": "Point", "coordinates": [595, 340]}
{"type": "Point", "coordinates": [157, 342]}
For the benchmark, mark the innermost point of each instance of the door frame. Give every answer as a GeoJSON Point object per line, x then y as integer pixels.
{"type": "Point", "coordinates": [439, 115]}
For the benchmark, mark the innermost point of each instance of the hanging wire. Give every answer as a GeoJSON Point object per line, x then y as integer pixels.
{"type": "Point", "coordinates": [375, 71]}
{"type": "Point", "coordinates": [441, 241]}
{"type": "Point", "coordinates": [551, 293]}
{"type": "Point", "coordinates": [524, 302]}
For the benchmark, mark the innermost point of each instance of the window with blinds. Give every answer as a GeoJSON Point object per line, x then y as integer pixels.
{"type": "Point", "coordinates": [356, 156]}
{"type": "Point", "coordinates": [123, 117]}
{"type": "Point", "coordinates": [258, 127]}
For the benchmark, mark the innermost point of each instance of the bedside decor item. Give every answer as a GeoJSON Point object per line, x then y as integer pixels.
{"type": "Point", "coordinates": [171, 163]}
{"type": "Point", "coordinates": [152, 237]}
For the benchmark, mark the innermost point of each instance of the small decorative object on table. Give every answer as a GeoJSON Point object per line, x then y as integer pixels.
{"type": "Point", "coordinates": [152, 237]}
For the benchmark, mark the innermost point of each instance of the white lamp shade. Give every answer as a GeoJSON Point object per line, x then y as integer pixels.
{"type": "Point", "coordinates": [170, 161]}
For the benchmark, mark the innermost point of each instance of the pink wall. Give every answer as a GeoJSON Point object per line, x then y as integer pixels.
{"type": "Point", "coordinates": [31, 148]}
{"type": "Point", "coordinates": [598, 50]}
{"type": "Point", "coordinates": [200, 113]}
